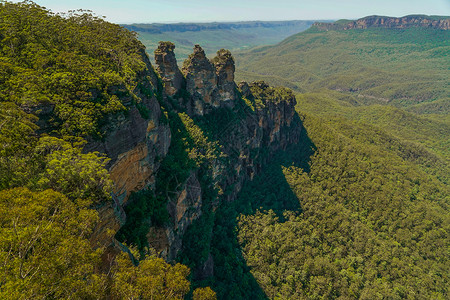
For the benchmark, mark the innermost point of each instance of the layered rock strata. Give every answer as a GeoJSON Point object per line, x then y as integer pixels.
{"type": "Point", "coordinates": [133, 142]}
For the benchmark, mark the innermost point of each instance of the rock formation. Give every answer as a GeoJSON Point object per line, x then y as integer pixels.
{"type": "Point", "coordinates": [167, 68]}
{"type": "Point", "coordinates": [255, 121]}
{"type": "Point", "coordinates": [201, 81]}
{"type": "Point", "coordinates": [224, 64]}
{"type": "Point", "coordinates": [210, 83]}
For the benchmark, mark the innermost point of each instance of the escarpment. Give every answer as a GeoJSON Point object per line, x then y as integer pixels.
{"type": "Point", "coordinates": [200, 139]}
{"type": "Point", "coordinates": [388, 22]}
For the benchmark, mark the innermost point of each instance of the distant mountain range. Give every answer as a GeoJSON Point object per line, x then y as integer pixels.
{"type": "Point", "coordinates": [214, 36]}
{"type": "Point", "coordinates": [401, 61]}
{"type": "Point", "coordinates": [183, 27]}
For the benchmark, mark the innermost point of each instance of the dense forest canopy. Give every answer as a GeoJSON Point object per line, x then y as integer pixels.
{"type": "Point", "coordinates": [374, 198]}
{"type": "Point", "coordinates": [404, 67]}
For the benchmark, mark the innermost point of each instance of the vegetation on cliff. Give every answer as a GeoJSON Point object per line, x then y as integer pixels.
{"type": "Point", "coordinates": [61, 79]}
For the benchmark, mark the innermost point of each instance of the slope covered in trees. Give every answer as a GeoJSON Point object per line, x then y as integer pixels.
{"type": "Point", "coordinates": [373, 224]}
{"type": "Point", "coordinates": [403, 67]}
{"type": "Point", "coordinates": [371, 220]}
{"type": "Point", "coordinates": [60, 78]}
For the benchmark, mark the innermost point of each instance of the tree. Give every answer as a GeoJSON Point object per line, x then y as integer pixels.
{"type": "Point", "coordinates": [204, 294]}
{"type": "Point", "coordinates": [153, 278]}
{"type": "Point", "coordinates": [44, 250]}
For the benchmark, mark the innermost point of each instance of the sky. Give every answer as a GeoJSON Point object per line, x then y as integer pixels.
{"type": "Point", "coordinates": [170, 11]}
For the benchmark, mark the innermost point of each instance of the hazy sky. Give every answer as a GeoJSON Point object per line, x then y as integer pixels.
{"type": "Point", "coordinates": [149, 11]}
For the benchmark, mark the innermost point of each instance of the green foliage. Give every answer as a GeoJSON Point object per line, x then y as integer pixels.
{"type": "Point", "coordinates": [67, 170]}
{"type": "Point", "coordinates": [201, 150]}
{"type": "Point", "coordinates": [417, 138]}
{"type": "Point", "coordinates": [153, 278]}
{"type": "Point", "coordinates": [16, 143]}
{"type": "Point", "coordinates": [401, 66]}
{"type": "Point", "coordinates": [197, 241]}
{"type": "Point", "coordinates": [46, 253]}
{"type": "Point", "coordinates": [204, 294]}
{"type": "Point", "coordinates": [232, 278]}
{"type": "Point", "coordinates": [50, 162]}
{"type": "Point", "coordinates": [44, 248]}
{"type": "Point", "coordinates": [77, 64]}
{"type": "Point", "coordinates": [143, 211]}
{"type": "Point", "coordinates": [371, 222]}
{"type": "Point", "coordinates": [263, 93]}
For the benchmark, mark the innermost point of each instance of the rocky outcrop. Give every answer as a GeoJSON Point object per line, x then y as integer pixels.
{"type": "Point", "coordinates": [388, 22]}
{"type": "Point", "coordinates": [255, 121]}
{"type": "Point", "coordinates": [404, 22]}
{"type": "Point", "coordinates": [224, 64]}
{"type": "Point", "coordinates": [209, 83]}
{"type": "Point", "coordinates": [167, 68]}
{"type": "Point", "coordinates": [268, 123]}
{"type": "Point", "coordinates": [201, 81]}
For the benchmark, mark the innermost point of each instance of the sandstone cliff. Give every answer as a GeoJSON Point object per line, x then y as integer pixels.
{"type": "Point", "coordinates": [133, 143]}
{"type": "Point", "coordinates": [388, 22]}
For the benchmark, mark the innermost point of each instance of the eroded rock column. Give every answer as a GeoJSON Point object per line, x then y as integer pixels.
{"type": "Point", "coordinates": [167, 68]}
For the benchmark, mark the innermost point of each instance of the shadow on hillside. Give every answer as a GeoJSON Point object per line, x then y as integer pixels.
{"type": "Point", "coordinates": [269, 190]}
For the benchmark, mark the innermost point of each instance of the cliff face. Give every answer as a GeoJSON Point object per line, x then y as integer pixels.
{"type": "Point", "coordinates": [388, 22]}
{"type": "Point", "coordinates": [133, 143]}
{"type": "Point", "coordinates": [248, 124]}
